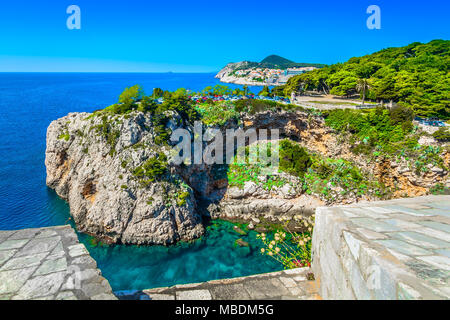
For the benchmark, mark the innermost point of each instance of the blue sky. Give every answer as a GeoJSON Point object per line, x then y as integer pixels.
{"type": "Point", "coordinates": [202, 36]}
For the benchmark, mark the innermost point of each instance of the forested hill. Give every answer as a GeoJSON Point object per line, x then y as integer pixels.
{"type": "Point", "coordinates": [277, 62]}
{"type": "Point", "coordinates": [416, 75]}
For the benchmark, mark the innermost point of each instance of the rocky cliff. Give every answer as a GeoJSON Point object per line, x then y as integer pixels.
{"type": "Point", "coordinates": [95, 163]}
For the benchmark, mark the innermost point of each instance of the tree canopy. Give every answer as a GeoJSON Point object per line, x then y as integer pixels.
{"type": "Point", "coordinates": [416, 75]}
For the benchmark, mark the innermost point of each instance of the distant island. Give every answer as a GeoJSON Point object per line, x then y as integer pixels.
{"type": "Point", "coordinates": [273, 70]}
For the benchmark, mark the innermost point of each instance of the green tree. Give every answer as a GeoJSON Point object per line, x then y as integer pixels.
{"type": "Point", "coordinates": [265, 92]}
{"type": "Point", "coordinates": [131, 95]}
{"type": "Point", "coordinates": [362, 86]}
{"type": "Point", "coordinates": [157, 93]}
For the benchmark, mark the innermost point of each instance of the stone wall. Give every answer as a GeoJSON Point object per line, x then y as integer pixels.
{"type": "Point", "coordinates": [396, 249]}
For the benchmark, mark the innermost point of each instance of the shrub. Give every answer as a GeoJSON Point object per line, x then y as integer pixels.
{"type": "Point", "coordinates": [293, 158]}
{"type": "Point", "coordinates": [152, 169]}
{"type": "Point", "coordinates": [291, 249]}
{"type": "Point", "coordinates": [442, 135]}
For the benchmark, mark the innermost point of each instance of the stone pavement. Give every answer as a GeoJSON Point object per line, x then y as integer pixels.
{"type": "Point", "coordinates": [48, 264]}
{"type": "Point", "coordinates": [283, 285]}
{"type": "Point", "coordinates": [397, 249]}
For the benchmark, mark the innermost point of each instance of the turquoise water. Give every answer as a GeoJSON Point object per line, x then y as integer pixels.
{"type": "Point", "coordinates": [215, 256]}
{"type": "Point", "coordinates": [28, 103]}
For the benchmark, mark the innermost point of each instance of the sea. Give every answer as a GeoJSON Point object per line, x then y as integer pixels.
{"type": "Point", "coordinates": [29, 102]}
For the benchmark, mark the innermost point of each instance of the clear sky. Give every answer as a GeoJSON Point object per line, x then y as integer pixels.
{"type": "Point", "coordinates": [202, 36]}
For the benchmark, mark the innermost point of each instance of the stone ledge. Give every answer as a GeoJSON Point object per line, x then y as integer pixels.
{"type": "Point", "coordinates": [379, 250]}
{"type": "Point", "coordinates": [49, 264]}
{"type": "Point", "coordinates": [288, 284]}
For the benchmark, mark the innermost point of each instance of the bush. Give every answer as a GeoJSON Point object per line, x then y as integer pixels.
{"type": "Point", "coordinates": [152, 169]}
{"type": "Point", "coordinates": [442, 135]}
{"type": "Point", "coordinates": [293, 158]}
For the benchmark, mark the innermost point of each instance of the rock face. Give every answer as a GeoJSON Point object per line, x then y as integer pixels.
{"type": "Point", "coordinates": [90, 163]}
{"type": "Point", "coordinates": [122, 189]}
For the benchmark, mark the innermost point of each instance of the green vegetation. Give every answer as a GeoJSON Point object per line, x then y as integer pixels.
{"type": "Point", "coordinates": [291, 249]}
{"type": "Point", "coordinates": [442, 135]}
{"type": "Point", "coordinates": [217, 113]}
{"type": "Point", "coordinates": [293, 158]}
{"type": "Point", "coordinates": [64, 136]}
{"type": "Point", "coordinates": [375, 129]}
{"type": "Point", "coordinates": [385, 133]}
{"type": "Point", "coordinates": [265, 92]}
{"type": "Point", "coordinates": [327, 176]}
{"type": "Point", "coordinates": [416, 76]}
{"type": "Point", "coordinates": [277, 62]}
{"type": "Point", "coordinates": [240, 173]}
{"type": "Point", "coordinates": [181, 198]}
{"type": "Point", "coordinates": [151, 170]}
{"type": "Point", "coordinates": [440, 189]}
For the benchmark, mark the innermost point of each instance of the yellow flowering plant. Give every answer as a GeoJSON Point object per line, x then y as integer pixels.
{"type": "Point", "coordinates": [292, 249]}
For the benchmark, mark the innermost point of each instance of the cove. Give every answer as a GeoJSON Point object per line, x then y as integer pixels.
{"type": "Point", "coordinates": [214, 256]}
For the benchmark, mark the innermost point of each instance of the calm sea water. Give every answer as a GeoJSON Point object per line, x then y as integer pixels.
{"type": "Point", "coordinates": [28, 103]}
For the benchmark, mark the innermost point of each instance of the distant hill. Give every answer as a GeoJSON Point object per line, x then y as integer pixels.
{"type": "Point", "coordinates": [277, 62]}
{"type": "Point", "coordinates": [417, 75]}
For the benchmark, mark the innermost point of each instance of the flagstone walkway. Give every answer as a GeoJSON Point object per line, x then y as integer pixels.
{"type": "Point", "coordinates": [48, 264]}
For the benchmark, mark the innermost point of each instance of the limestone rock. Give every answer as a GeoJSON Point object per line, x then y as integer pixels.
{"type": "Point", "coordinates": [90, 162]}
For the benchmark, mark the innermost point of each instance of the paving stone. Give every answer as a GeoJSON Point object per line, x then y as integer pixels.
{"type": "Point", "coordinates": [194, 295]}
{"type": "Point", "coordinates": [57, 252]}
{"type": "Point", "coordinates": [371, 235]}
{"type": "Point", "coordinates": [39, 246]}
{"type": "Point", "coordinates": [435, 212]}
{"type": "Point", "coordinates": [374, 225]}
{"type": "Point", "coordinates": [421, 240]}
{"type": "Point", "coordinates": [13, 244]}
{"type": "Point", "coordinates": [440, 262]}
{"type": "Point", "coordinates": [37, 268]}
{"type": "Point", "coordinates": [85, 261]}
{"type": "Point", "coordinates": [353, 244]}
{"type": "Point", "coordinates": [41, 286]}
{"type": "Point", "coordinates": [36, 299]}
{"type": "Point", "coordinates": [443, 252]}
{"type": "Point", "coordinates": [12, 280]}
{"type": "Point", "coordinates": [23, 234]}
{"type": "Point", "coordinates": [403, 247]}
{"type": "Point", "coordinates": [50, 266]}
{"type": "Point", "coordinates": [93, 289]}
{"type": "Point", "coordinates": [77, 250]}
{"type": "Point", "coordinates": [436, 225]}
{"type": "Point", "coordinates": [5, 255]}
{"type": "Point", "coordinates": [230, 292]}
{"type": "Point", "coordinates": [300, 278]}
{"type": "Point", "coordinates": [66, 295]}
{"type": "Point", "coordinates": [402, 224]}
{"type": "Point", "coordinates": [46, 233]}
{"type": "Point", "coordinates": [405, 292]}
{"type": "Point", "coordinates": [381, 210]}
{"type": "Point", "coordinates": [289, 282]}
{"type": "Point", "coordinates": [440, 235]}
{"type": "Point", "coordinates": [24, 262]}
{"type": "Point", "coordinates": [428, 272]}
{"type": "Point", "coordinates": [405, 210]}
{"type": "Point", "coordinates": [104, 297]}
{"type": "Point", "coordinates": [157, 297]}
{"type": "Point", "coordinates": [5, 235]}
{"type": "Point", "coordinates": [296, 271]}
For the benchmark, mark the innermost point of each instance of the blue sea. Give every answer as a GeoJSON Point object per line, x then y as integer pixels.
{"type": "Point", "coordinates": [28, 103]}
